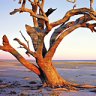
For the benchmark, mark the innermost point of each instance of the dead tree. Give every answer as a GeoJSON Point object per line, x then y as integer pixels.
{"type": "Point", "coordinates": [42, 27]}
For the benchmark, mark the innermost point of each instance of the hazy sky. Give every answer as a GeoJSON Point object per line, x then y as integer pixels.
{"type": "Point", "coordinates": [80, 44]}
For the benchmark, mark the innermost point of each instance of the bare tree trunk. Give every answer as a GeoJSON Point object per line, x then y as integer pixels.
{"type": "Point", "coordinates": [53, 79]}
{"type": "Point", "coordinates": [50, 75]}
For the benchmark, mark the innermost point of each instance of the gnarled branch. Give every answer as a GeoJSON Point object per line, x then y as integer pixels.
{"type": "Point", "coordinates": [50, 11]}
{"type": "Point", "coordinates": [27, 48]}
{"type": "Point", "coordinates": [37, 38]}
{"type": "Point", "coordinates": [90, 26]}
{"type": "Point", "coordinates": [8, 48]}
{"type": "Point", "coordinates": [34, 8]}
{"type": "Point", "coordinates": [33, 34]}
{"type": "Point", "coordinates": [78, 23]}
{"type": "Point", "coordinates": [30, 12]}
{"type": "Point", "coordinates": [65, 26]}
{"type": "Point", "coordinates": [52, 50]}
{"type": "Point", "coordinates": [72, 13]}
{"type": "Point", "coordinates": [59, 31]}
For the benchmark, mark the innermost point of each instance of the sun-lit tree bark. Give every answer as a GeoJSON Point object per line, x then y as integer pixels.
{"type": "Point", "coordinates": [42, 27]}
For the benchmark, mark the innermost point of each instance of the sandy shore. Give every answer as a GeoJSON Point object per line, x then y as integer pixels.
{"type": "Point", "coordinates": [16, 80]}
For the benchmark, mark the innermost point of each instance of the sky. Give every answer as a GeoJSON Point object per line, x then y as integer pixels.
{"type": "Point", "coordinates": [79, 45]}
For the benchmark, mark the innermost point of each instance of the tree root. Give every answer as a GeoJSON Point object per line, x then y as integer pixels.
{"type": "Point", "coordinates": [70, 87]}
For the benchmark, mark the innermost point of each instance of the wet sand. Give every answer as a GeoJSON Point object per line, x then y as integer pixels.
{"type": "Point", "coordinates": [16, 80]}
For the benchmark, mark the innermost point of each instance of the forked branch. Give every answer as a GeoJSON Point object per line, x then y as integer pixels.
{"type": "Point", "coordinates": [78, 23]}
{"type": "Point", "coordinates": [90, 26]}
{"type": "Point", "coordinates": [8, 48]}
{"type": "Point", "coordinates": [34, 8]}
{"type": "Point", "coordinates": [37, 37]}
{"type": "Point", "coordinates": [67, 25]}
{"type": "Point", "coordinates": [52, 50]}
{"type": "Point", "coordinates": [25, 47]}
{"type": "Point", "coordinates": [72, 13]}
{"type": "Point", "coordinates": [30, 12]}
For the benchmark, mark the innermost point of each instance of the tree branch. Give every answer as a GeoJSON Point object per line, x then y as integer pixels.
{"type": "Point", "coordinates": [34, 8]}
{"type": "Point", "coordinates": [33, 34]}
{"type": "Point", "coordinates": [44, 51]}
{"type": "Point", "coordinates": [58, 31]}
{"type": "Point", "coordinates": [40, 44]}
{"type": "Point", "coordinates": [42, 13]}
{"type": "Point", "coordinates": [23, 3]}
{"type": "Point", "coordinates": [42, 3]}
{"type": "Point", "coordinates": [77, 23]}
{"type": "Point", "coordinates": [37, 37]}
{"type": "Point", "coordinates": [52, 50]}
{"type": "Point", "coordinates": [50, 11]}
{"type": "Point", "coordinates": [91, 4]}
{"type": "Point", "coordinates": [8, 48]}
{"type": "Point", "coordinates": [30, 12]}
{"type": "Point", "coordinates": [24, 46]}
{"type": "Point", "coordinates": [90, 26]}
{"type": "Point", "coordinates": [65, 26]}
{"type": "Point", "coordinates": [42, 22]}
{"type": "Point", "coordinates": [25, 39]}
{"type": "Point", "coordinates": [72, 13]}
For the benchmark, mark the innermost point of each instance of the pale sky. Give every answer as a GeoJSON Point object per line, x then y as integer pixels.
{"type": "Point", "coordinates": [79, 45]}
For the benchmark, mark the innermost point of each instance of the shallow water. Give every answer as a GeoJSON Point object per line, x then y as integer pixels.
{"type": "Point", "coordinates": [12, 72]}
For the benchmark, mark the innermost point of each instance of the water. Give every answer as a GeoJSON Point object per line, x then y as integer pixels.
{"type": "Point", "coordinates": [77, 71]}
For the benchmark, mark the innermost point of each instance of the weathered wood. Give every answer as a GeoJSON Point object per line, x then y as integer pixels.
{"type": "Point", "coordinates": [37, 39]}
{"type": "Point", "coordinates": [8, 48]}
{"type": "Point", "coordinates": [67, 25]}
{"type": "Point", "coordinates": [33, 34]}
{"type": "Point", "coordinates": [73, 12]}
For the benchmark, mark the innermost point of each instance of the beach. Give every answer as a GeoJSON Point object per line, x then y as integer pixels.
{"type": "Point", "coordinates": [16, 80]}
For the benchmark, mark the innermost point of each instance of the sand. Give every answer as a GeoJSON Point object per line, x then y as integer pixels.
{"type": "Point", "coordinates": [16, 80]}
